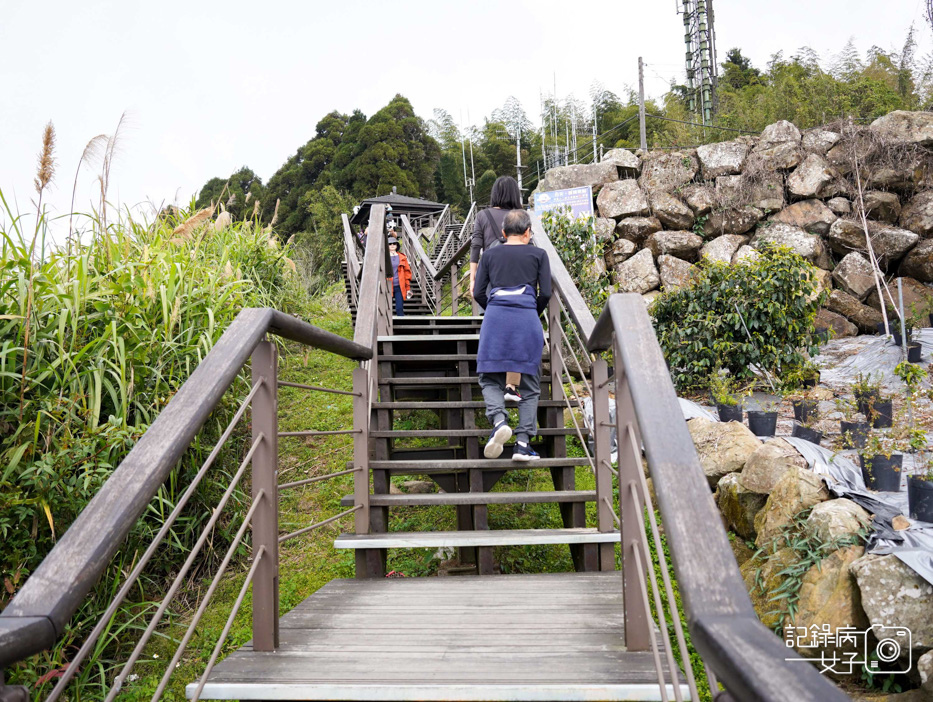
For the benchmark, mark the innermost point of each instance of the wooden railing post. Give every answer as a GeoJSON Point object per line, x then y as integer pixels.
{"type": "Point", "coordinates": [553, 335]}
{"type": "Point", "coordinates": [637, 625]}
{"type": "Point", "coordinates": [265, 523]}
{"type": "Point", "coordinates": [603, 457]}
{"type": "Point", "coordinates": [454, 290]}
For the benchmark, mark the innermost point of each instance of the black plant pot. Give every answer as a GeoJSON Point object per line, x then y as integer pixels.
{"type": "Point", "coordinates": [880, 327]}
{"type": "Point", "coordinates": [882, 474]}
{"type": "Point", "coordinates": [762, 423]}
{"type": "Point", "coordinates": [920, 498]}
{"type": "Point", "coordinates": [822, 335]}
{"type": "Point", "coordinates": [812, 381]}
{"type": "Point", "coordinates": [804, 409]}
{"type": "Point", "coordinates": [914, 351]}
{"type": "Point", "coordinates": [729, 413]}
{"type": "Point", "coordinates": [896, 333]}
{"type": "Point", "coordinates": [811, 435]}
{"type": "Point", "coordinates": [866, 400]}
{"type": "Point", "coordinates": [854, 434]}
{"type": "Point", "coordinates": [882, 414]}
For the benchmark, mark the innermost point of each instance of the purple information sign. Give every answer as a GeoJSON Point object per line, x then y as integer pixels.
{"type": "Point", "coordinates": [580, 201]}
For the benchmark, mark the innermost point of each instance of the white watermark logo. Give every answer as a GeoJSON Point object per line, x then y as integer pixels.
{"type": "Point", "coordinates": [881, 650]}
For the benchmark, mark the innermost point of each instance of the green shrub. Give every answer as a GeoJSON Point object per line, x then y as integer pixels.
{"type": "Point", "coordinates": [757, 313]}
{"type": "Point", "coordinates": [575, 243]}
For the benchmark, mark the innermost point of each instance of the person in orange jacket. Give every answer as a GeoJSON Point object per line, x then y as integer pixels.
{"type": "Point", "coordinates": [401, 276]}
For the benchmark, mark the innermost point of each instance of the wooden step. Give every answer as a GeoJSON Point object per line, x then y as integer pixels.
{"type": "Point", "coordinates": [420, 337]}
{"type": "Point", "coordinates": [443, 433]}
{"type": "Point", "coordinates": [482, 463]}
{"type": "Point", "coordinates": [497, 537]}
{"type": "Point", "coordinates": [433, 357]}
{"type": "Point", "coordinates": [460, 404]}
{"type": "Point", "coordinates": [476, 498]}
{"type": "Point", "coordinates": [435, 380]}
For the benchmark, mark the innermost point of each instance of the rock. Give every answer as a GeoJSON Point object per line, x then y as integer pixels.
{"type": "Point", "coordinates": [889, 243]}
{"type": "Point", "coordinates": [917, 214]}
{"type": "Point", "coordinates": [900, 522]}
{"type": "Point", "coordinates": [605, 228]}
{"type": "Point", "coordinates": [724, 158]}
{"type": "Point", "coordinates": [395, 489]}
{"type": "Point", "coordinates": [667, 171]}
{"type": "Point", "coordinates": [738, 506]}
{"type": "Point", "coordinates": [911, 127]}
{"type": "Point", "coordinates": [863, 316]}
{"type": "Point", "coordinates": [840, 206]}
{"type": "Point", "coordinates": [882, 206]}
{"type": "Point", "coordinates": [637, 229]}
{"type": "Point", "coordinates": [683, 245]}
{"type": "Point", "coordinates": [810, 215]}
{"type": "Point", "coordinates": [798, 489]}
{"type": "Point", "coordinates": [819, 141]}
{"type": "Point", "coordinates": [889, 179]}
{"type": "Point", "coordinates": [722, 447]}
{"type": "Point", "coordinates": [780, 157]}
{"type": "Point", "coordinates": [811, 179]}
{"type": "Point", "coordinates": [917, 296]}
{"type": "Point", "coordinates": [638, 274]}
{"type": "Point", "coordinates": [650, 297]}
{"type": "Point", "coordinates": [768, 464]}
{"type": "Point", "coordinates": [925, 669]}
{"type": "Point", "coordinates": [740, 549]}
{"type": "Point", "coordinates": [919, 263]}
{"type": "Point", "coordinates": [763, 577]}
{"type": "Point", "coordinates": [593, 174]}
{"type": "Point", "coordinates": [767, 192]}
{"type": "Point", "coordinates": [894, 595]}
{"type": "Point", "coordinates": [701, 199]}
{"type": "Point", "coordinates": [622, 198]}
{"type": "Point", "coordinates": [629, 164]}
{"type": "Point", "coordinates": [745, 254]}
{"type": "Point", "coordinates": [779, 133]}
{"type": "Point", "coordinates": [732, 220]}
{"type": "Point", "coordinates": [672, 212]}
{"type": "Point", "coordinates": [723, 248]}
{"type": "Point", "coordinates": [829, 595]}
{"type": "Point", "coordinates": [419, 487]}
{"type": "Point", "coordinates": [855, 275]}
{"type": "Point", "coordinates": [675, 272]}
{"type": "Point", "coordinates": [835, 519]}
{"type": "Point", "coordinates": [840, 326]}
{"type": "Point", "coordinates": [823, 281]}
{"type": "Point", "coordinates": [809, 246]}
{"type": "Point", "coordinates": [622, 250]}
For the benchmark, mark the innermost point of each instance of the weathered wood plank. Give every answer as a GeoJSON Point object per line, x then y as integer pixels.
{"type": "Point", "coordinates": [499, 537]}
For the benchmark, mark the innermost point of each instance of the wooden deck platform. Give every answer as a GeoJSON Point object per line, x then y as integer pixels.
{"type": "Point", "coordinates": [508, 637]}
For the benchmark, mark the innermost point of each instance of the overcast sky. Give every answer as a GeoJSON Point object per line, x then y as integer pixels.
{"type": "Point", "coordinates": [211, 86]}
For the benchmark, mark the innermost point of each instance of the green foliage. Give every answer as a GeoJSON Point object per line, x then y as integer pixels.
{"type": "Point", "coordinates": [575, 243]}
{"type": "Point", "coordinates": [758, 313]}
{"type": "Point", "coordinates": [319, 251]}
{"type": "Point", "coordinates": [911, 375]}
{"type": "Point", "coordinates": [238, 195]}
{"type": "Point", "coordinates": [725, 389]}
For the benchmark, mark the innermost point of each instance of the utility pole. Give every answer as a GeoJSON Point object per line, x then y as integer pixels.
{"type": "Point", "coordinates": [641, 105]}
{"type": "Point", "coordinates": [594, 132]}
{"type": "Point", "coordinates": [518, 155]}
{"type": "Point", "coordinates": [472, 167]}
{"type": "Point", "coordinates": [466, 183]}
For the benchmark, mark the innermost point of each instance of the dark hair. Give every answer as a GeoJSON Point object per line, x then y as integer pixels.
{"type": "Point", "coordinates": [516, 222]}
{"type": "Point", "coordinates": [505, 194]}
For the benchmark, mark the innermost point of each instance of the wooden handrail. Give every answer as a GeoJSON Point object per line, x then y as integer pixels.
{"type": "Point", "coordinates": [416, 248]}
{"type": "Point", "coordinates": [42, 608]}
{"type": "Point", "coordinates": [375, 264]}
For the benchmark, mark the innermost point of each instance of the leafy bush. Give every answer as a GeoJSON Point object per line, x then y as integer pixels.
{"type": "Point", "coordinates": [575, 243]}
{"type": "Point", "coordinates": [757, 313]}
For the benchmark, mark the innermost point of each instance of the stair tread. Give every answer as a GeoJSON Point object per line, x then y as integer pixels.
{"type": "Point", "coordinates": [460, 404]}
{"type": "Point", "coordinates": [467, 463]}
{"type": "Point", "coordinates": [498, 537]}
{"type": "Point", "coordinates": [433, 380]}
{"type": "Point", "coordinates": [417, 433]}
{"type": "Point", "coordinates": [420, 337]}
{"type": "Point", "coordinates": [475, 498]}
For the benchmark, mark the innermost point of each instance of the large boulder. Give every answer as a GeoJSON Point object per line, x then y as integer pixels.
{"type": "Point", "coordinates": [809, 246]}
{"type": "Point", "coordinates": [672, 212]}
{"type": "Point", "coordinates": [812, 179]}
{"type": "Point", "coordinates": [622, 198]}
{"type": "Point", "coordinates": [819, 141]}
{"type": "Point", "coordinates": [780, 132]}
{"type": "Point", "coordinates": [723, 248]}
{"type": "Point", "coordinates": [822, 280]}
{"type": "Point", "coordinates": [593, 174]}
{"type": "Point", "coordinates": [780, 157]}
{"type": "Point", "coordinates": [839, 325]}
{"type": "Point", "coordinates": [911, 127]}
{"type": "Point", "coordinates": [917, 214]}
{"type": "Point", "coordinates": [683, 245]}
{"type": "Point", "coordinates": [638, 274]}
{"type": "Point", "coordinates": [745, 254]}
{"type": "Point", "coordinates": [737, 505]}
{"type": "Point", "coordinates": [622, 250]}
{"type": "Point", "coordinates": [919, 262]}
{"type": "Point", "coordinates": [863, 316]}
{"type": "Point", "coordinates": [731, 220]}
{"type": "Point", "coordinates": [724, 158]}
{"type": "Point", "coordinates": [768, 464]}
{"type": "Point", "coordinates": [810, 215]}
{"type": "Point", "coordinates": [722, 447]}
{"type": "Point", "coordinates": [882, 206]}
{"type": "Point", "coordinates": [667, 171]}
{"type": "Point", "coordinates": [840, 206]}
{"type": "Point", "coordinates": [629, 164]}
{"type": "Point", "coordinates": [798, 489]}
{"type": "Point", "coordinates": [917, 296]}
{"type": "Point", "coordinates": [674, 272]}
{"type": "Point", "coordinates": [637, 229]}
{"type": "Point", "coordinates": [605, 228]}
{"type": "Point", "coordinates": [836, 519]}
{"type": "Point", "coordinates": [893, 595]}
{"type": "Point", "coordinates": [763, 578]}
{"type": "Point", "coordinates": [889, 243]}
{"type": "Point", "coordinates": [764, 191]}
{"type": "Point", "coordinates": [855, 275]}
{"type": "Point", "coordinates": [701, 199]}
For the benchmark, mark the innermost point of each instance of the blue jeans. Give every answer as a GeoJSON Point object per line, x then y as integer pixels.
{"type": "Point", "coordinates": [399, 301]}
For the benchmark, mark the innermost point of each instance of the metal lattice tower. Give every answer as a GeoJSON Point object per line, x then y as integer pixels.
{"type": "Point", "coordinates": [702, 65]}
{"type": "Point", "coordinates": [930, 12]}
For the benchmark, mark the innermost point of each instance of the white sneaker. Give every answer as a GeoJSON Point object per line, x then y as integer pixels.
{"type": "Point", "coordinates": [501, 433]}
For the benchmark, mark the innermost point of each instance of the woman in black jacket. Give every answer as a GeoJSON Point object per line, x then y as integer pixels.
{"type": "Point", "coordinates": [487, 232]}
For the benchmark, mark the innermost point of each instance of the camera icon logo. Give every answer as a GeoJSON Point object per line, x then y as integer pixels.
{"type": "Point", "coordinates": [892, 653]}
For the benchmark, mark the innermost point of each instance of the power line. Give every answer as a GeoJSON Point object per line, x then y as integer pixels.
{"type": "Point", "coordinates": [704, 126]}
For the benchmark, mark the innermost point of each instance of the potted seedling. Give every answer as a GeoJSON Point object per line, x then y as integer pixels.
{"type": "Point", "coordinates": [867, 390]}
{"type": "Point", "coordinates": [853, 427]}
{"type": "Point", "coordinates": [809, 374]}
{"type": "Point", "coordinates": [726, 395]}
{"type": "Point", "coordinates": [806, 428]}
{"type": "Point", "coordinates": [881, 413]}
{"type": "Point", "coordinates": [920, 488]}
{"type": "Point", "coordinates": [804, 406]}
{"type": "Point", "coordinates": [896, 330]}
{"type": "Point", "coordinates": [763, 421]}
{"type": "Point", "coordinates": [881, 463]}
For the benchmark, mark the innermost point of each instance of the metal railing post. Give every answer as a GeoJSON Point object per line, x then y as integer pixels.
{"type": "Point", "coordinates": [603, 457]}
{"type": "Point", "coordinates": [265, 480]}
{"type": "Point", "coordinates": [637, 625]}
